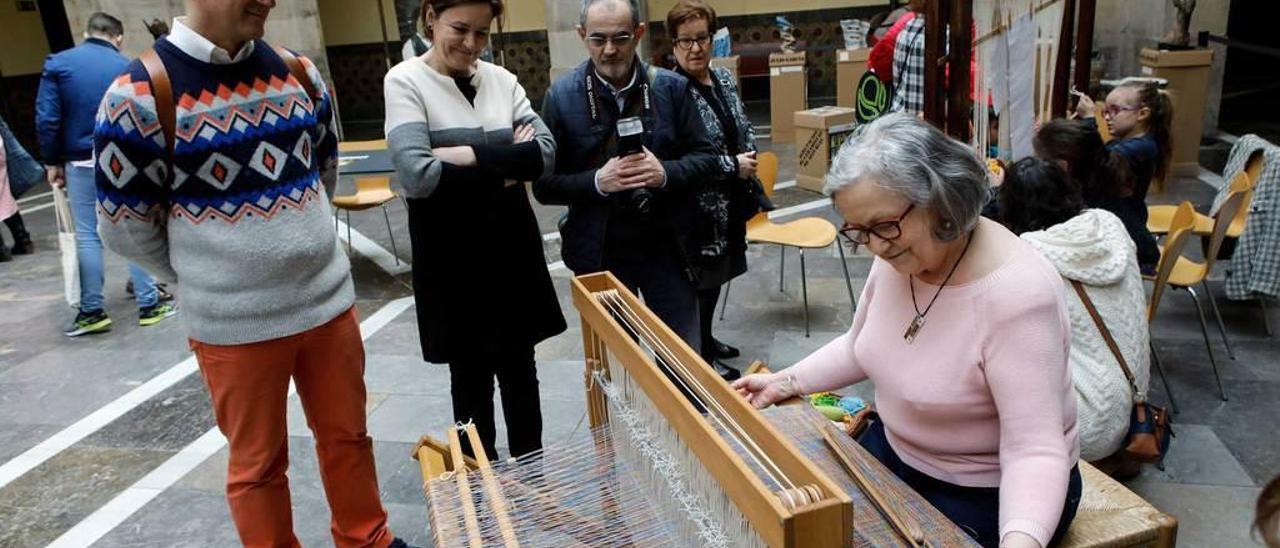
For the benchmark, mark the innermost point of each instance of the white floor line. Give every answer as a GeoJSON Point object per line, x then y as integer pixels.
{"type": "Point", "coordinates": [106, 518]}
{"type": "Point", "coordinates": [34, 197]}
{"type": "Point", "coordinates": [553, 236]}
{"type": "Point", "coordinates": [34, 209]}
{"type": "Point", "coordinates": [800, 208]}
{"type": "Point", "coordinates": [374, 252]}
{"type": "Point", "coordinates": [82, 428]}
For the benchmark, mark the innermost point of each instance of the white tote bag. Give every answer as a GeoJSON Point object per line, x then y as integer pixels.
{"type": "Point", "coordinates": [67, 245]}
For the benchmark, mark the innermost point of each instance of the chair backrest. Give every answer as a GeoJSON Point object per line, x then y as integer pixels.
{"type": "Point", "coordinates": [1222, 221]}
{"type": "Point", "coordinates": [1100, 120]}
{"type": "Point", "coordinates": [767, 171]}
{"type": "Point", "coordinates": [370, 184]}
{"type": "Point", "coordinates": [1252, 170]}
{"type": "Point", "coordinates": [1180, 230]}
{"type": "Point", "coordinates": [362, 146]}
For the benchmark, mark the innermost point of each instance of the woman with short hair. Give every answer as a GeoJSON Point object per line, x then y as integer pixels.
{"type": "Point", "coordinates": [719, 250]}
{"type": "Point", "coordinates": [963, 329]}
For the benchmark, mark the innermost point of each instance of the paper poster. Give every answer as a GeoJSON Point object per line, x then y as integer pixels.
{"type": "Point", "coordinates": [1021, 40]}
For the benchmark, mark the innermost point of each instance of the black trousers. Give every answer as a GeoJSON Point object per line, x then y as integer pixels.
{"type": "Point", "coordinates": [976, 510]}
{"type": "Point", "coordinates": [707, 299]}
{"type": "Point", "coordinates": [471, 385]}
{"type": "Point", "coordinates": [659, 278]}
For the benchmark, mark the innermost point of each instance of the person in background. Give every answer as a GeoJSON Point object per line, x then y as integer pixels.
{"type": "Point", "coordinates": [1041, 203]}
{"type": "Point", "coordinates": [462, 136]}
{"type": "Point", "coordinates": [1104, 177]}
{"type": "Point", "coordinates": [244, 225]}
{"type": "Point", "coordinates": [963, 328]}
{"type": "Point", "coordinates": [908, 67]}
{"type": "Point", "coordinates": [1139, 116]}
{"type": "Point", "coordinates": [880, 60]}
{"type": "Point", "coordinates": [18, 170]}
{"type": "Point", "coordinates": [719, 247]}
{"type": "Point", "coordinates": [71, 86]}
{"type": "Point", "coordinates": [418, 44]}
{"type": "Point", "coordinates": [629, 215]}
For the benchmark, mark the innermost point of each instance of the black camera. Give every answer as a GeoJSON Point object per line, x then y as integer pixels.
{"type": "Point", "coordinates": [631, 141]}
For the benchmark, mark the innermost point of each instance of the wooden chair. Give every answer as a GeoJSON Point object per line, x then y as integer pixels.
{"type": "Point", "coordinates": [370, 192]}
{"type": "Point", "coordinates": [1159, 216]}
{"type": "Point", "coordinates": [1169, 274]}
{"type": "Point", "coordinates": [362, 146]}
{"type": "Point", "coordinates": [1110, 515]}
{"type": "Point", "coordinates": [805, 233]}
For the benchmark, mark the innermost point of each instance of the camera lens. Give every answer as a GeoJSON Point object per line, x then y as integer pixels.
{"type": "Point", "coordinates": [641, 200]}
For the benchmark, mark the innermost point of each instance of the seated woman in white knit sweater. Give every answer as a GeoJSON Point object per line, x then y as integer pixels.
{"type": "Point", "coordinates": [1041, 203]}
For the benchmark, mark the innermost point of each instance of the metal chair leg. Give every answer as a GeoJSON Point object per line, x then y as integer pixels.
{"type": "Point", "coordinates": [804, 292]}
{"type": "Point", "coordinates": [1164, 379]}
{"type": "Point", "coordinates": [1222, 328]}
{"type": "Point", "coordinates": [1266, 318]}
{"type": "Point", "coordinates": [782, 265]}
{"type": "Point", "coordinates": [853, 303]}
{"type": "Point", "coordinates": [349, 232]}
{"type": "Point", "coordinates": [725, 303]}
{"type": "Point", "coordinates": [387, 218]}
{"type": "Point", "coordinates": [335, 220]}
{"type": "Point", "coordinates": [1204, 330]}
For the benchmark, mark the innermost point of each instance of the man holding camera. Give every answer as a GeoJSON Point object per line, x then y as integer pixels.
{"type": "Point", "coordinates": [632, 150]}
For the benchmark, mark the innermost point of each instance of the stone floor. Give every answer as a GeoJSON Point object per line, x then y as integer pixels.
{"type": "Point", "coordinates": [107, 439]}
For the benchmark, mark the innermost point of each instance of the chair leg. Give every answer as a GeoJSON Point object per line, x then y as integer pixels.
{"type": "Point", "coordinates": [1204, 330]}
{"type": "Point", "coordinates": [1164, 379]}
{"type": "Point", "coordinates": [1266, 318]}
{"type": "Point", "coordinates": [804, 292]}
{"type": "Point", "coordinates": [335, 220]}
{"type": "Point", "coordinates": [1222, 328]}
{"type": "Point", "coordinates": [387, 218]}
{"type": "Point", "coordinates": [349, 232]}
{"type": "Point", "coordinates": [725, 303]}
{"type": "Point", "coordinates": [853, 303]}
{"type": "Point", "coordinates": [782, 265]}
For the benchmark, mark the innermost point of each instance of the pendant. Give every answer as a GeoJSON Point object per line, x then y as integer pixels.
{"type": "Point", "coordinates": [913, 329]}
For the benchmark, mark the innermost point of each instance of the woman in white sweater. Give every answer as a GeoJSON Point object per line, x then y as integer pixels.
{"type": "Point", "coordinates": [1040, 202]}
{"type": "Point", "coordinates": [462, 137]}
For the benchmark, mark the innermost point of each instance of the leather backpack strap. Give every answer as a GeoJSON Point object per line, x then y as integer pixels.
{"type": "Point", "coordinates": [1106, 335]}
{"type": "Point", "coordinates": [162, 91]}
{"type": "Point", "coordinates": [298, 71]}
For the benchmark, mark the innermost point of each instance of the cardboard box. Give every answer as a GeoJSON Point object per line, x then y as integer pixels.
{"type": "Point", "coordinates": [732, 63]}
{"type": "Point", "coordinates": [1188, 76]}
{"type": "Point", "coordinates": [819, 134]}
{"type": "Point", "coordinates": [788, 93]}
{"type": "Point", "coordinates": [851, 64]}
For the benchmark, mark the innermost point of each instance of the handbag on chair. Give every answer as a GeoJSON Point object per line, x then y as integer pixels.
{"type": "Point", "coordinates": [1149, 426]}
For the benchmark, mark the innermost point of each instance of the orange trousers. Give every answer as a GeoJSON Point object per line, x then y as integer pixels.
{"type": "Point", "coordinates": [249, 384]}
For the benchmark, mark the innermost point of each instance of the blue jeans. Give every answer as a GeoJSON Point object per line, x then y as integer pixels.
{"type": "Point", "coordinates": [976, 510]}
{"type": "Point", "coordinates": [83, 196]}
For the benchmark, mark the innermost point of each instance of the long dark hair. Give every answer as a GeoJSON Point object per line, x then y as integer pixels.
{"type": "Point", "coordinates": [1037, 194]}
{"type": "Point", "coordinates": [1098, 171]}
{"type": "Point", "coordinates": [1159, 125]}
{"type": "Point", "coordinates": [439, 6]}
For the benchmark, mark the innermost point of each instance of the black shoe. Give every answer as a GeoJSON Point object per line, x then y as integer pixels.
{"type": "Point", "coordinates": [727, 373]}
{"type": "Point", "coordinates": [5, 256]}
{"type": "Point", "coordinates": [22, 244]}
{"type": "Point", "coordinates": [400, 543]}
{"type": "Point", "coordinates": [723, 350]}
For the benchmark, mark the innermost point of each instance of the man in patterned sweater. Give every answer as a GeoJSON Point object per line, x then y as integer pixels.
{"type": "Point", "coordinates": [243, 226]}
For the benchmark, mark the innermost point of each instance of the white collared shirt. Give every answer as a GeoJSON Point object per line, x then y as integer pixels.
{"type": "Point", "coordinates": [620, 95]}
{"type": "Point", "coordinates": [194, 44]}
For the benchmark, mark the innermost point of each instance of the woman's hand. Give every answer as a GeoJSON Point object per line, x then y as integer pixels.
{"type": "Point", "coordinates": [1085, 107]}
{"type": "Point", "coordinates": [524, 134]}
{"type": "Point", "coordinates": [747, 165]}
{"type": "Point", "coordinates": [463, 156]}
{"type": "Point", "coordinates": [1017, 539]}
{"type": "Point", "coordinates": [765, 389]}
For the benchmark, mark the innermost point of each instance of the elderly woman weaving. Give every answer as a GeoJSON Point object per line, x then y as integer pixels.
{"type": "Point", "coordinates": [964, 331]}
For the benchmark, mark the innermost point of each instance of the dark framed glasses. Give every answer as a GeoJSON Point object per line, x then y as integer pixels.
{"type": "Point", "coordinates": [888, 230]}
{"type": "Point", "coordinates": [687, 43]}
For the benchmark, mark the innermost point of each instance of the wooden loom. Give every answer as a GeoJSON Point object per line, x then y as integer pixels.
{"type": "Point", "coordinates": [623, 338]}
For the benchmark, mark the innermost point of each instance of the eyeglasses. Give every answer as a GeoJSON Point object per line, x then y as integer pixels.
{"type": "Point", "coordinates": [618, 40]}
{"type": "Point", "coordinates": [1115, 110]}
{"type": "Point", "coordinates": [888, 230]}
{"type": "Point", "coordinates": [687, 43]}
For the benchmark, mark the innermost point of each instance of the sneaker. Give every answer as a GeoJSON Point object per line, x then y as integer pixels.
{"type": "Point", "coordinates": [89, 322]}
{"type": "Point", "coordinates": [152, 315]}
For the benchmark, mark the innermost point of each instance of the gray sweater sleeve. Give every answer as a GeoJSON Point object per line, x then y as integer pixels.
{"type": "Point", "coordinates": [409, 138]}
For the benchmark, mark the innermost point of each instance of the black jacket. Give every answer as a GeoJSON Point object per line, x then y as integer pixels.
{"type": "Point", "coordinates": [673, 132]}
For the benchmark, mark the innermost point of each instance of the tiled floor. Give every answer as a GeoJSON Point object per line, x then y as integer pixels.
{"type": "Point", "coordinates": [49, 384]}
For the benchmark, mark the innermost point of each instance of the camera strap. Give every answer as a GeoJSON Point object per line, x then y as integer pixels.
{"type": "Point", "coordinates": [593, 98]}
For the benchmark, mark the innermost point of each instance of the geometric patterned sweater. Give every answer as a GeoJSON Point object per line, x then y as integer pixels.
{"type": "Point", "coordinates": [244, 226]}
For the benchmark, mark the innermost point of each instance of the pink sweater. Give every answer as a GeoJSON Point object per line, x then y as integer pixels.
{"type": "Point", "coordinates": [983, 396]}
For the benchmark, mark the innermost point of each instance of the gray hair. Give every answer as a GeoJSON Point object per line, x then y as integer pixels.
{"type": "Point", "coordinates": [632, 4]}
{"type": "Point", "coordinates": [909, 157]}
